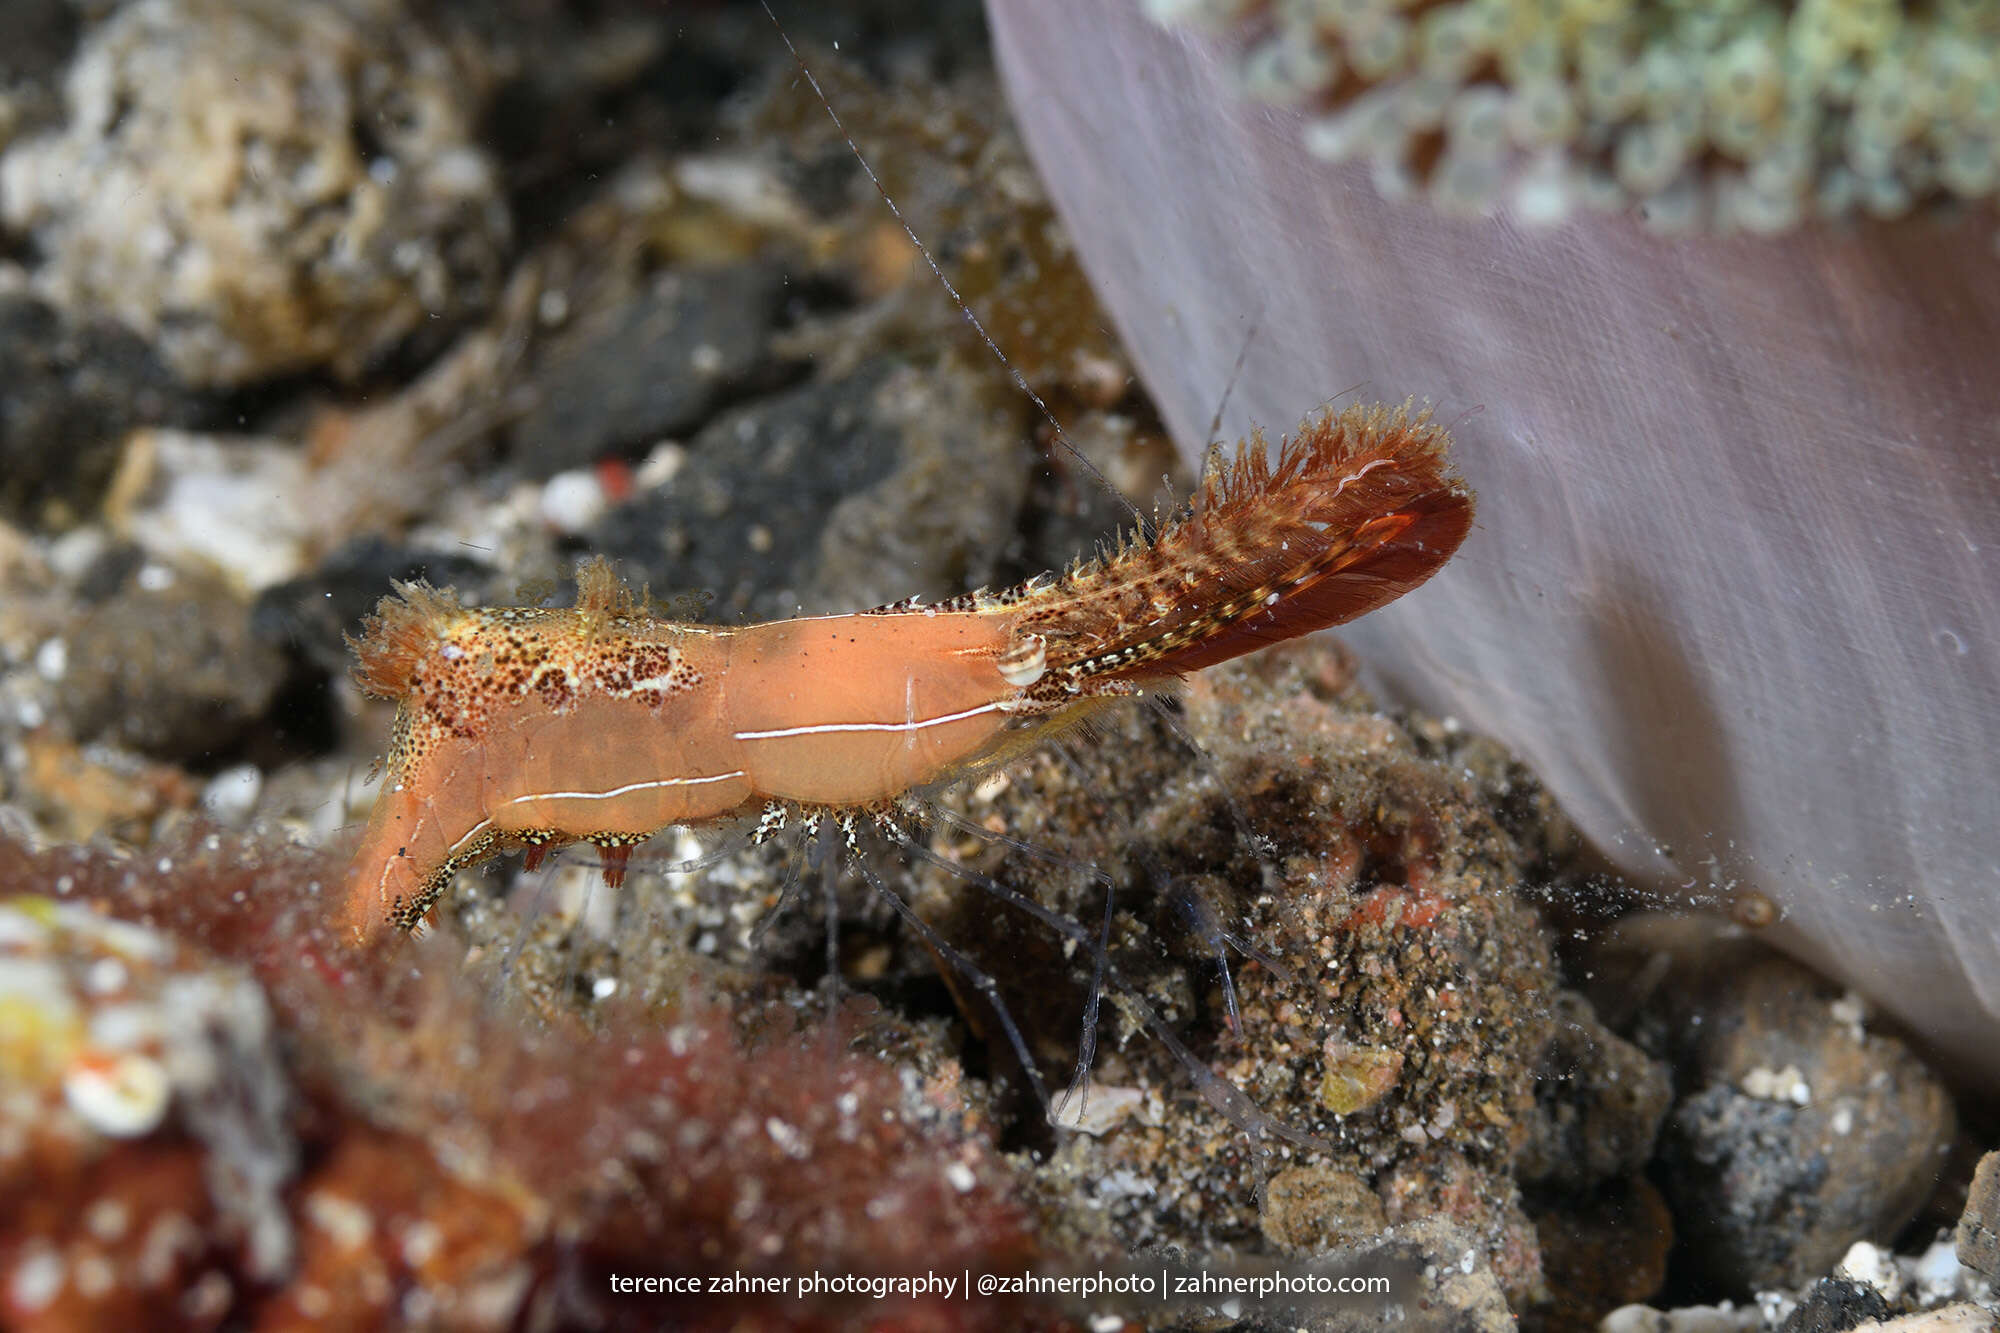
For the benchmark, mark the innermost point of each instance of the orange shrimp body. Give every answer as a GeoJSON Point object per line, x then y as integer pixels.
{"type": "Point", "coordinates": [601, 723]}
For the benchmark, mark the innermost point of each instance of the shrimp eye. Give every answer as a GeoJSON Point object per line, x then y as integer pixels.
{"type": "Point", "coordinates": [1026, 658]}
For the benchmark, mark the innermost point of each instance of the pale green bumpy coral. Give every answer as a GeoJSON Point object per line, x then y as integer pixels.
{"type": "Point", "coordinates": [1720, 114]}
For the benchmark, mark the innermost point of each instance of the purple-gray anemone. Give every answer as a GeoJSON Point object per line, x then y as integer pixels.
{"type": "Point", "coordinates": [1733, 591]}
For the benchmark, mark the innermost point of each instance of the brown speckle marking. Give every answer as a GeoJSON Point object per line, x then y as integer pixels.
{"type": "Point", "coordinates": [414, 646]}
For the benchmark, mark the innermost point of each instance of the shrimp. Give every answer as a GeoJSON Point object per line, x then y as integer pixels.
{"type": "Point", "coordinates": [533, 728]}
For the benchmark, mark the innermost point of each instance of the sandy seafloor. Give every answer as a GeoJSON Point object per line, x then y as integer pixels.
{"type": "Point", "coordinates": [298, 300]}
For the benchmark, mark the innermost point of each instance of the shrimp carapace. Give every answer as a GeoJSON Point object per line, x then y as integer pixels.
{"type": "Point", "coordinates": [599, 723]}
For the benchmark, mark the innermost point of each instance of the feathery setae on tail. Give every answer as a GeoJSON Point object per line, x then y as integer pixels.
{"type": "Point", "coordinates": [1355, 510]}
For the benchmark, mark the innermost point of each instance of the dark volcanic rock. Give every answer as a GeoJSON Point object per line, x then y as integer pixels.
{"type": "Point", "coordinates": [311, 614]}
{"type": "Point", "coordinates": [1601, 1251]}
{"type": "Point", "coordinates": [1598, 1105]}
{"type": "Point", "coordinates": [173, 672]}
{"type": "Point", "coordinates": [1803, 1131]}
{"type": "Point", "coordinates": [67, 397]}
{"type": "Point", "coordinates": [1834, 1306]}
{"type": "Point", "coordinates": [657, 366]}
{"type": "Point", "coordinates": [831, 497]}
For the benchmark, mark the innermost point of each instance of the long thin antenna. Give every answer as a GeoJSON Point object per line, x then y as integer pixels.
{"type": "Point", "coordinates": [982, 981]}
{"type": "Point", "coordinates": [1020, 380]}
{"type": "Point", "coordinates": [1229, 387]}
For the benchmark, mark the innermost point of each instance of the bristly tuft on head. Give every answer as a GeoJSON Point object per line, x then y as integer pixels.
{"type": "Point", "coordinates": [601, 594]}
{"type": "Point", "coordinates": [403, 631]}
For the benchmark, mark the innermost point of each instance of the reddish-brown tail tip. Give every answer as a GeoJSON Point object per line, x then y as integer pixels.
{"type": "Point", "coordinates": [1357, 509]}
{"type": "Point", "coordinates": [1383, 558]}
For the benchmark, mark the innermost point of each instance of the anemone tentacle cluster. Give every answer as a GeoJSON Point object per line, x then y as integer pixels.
{"type": "Point", "coordinates": [1713, 114]}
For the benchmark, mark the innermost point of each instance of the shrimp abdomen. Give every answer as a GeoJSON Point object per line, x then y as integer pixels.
{"type": "Point", "coordinates": [856, 710]}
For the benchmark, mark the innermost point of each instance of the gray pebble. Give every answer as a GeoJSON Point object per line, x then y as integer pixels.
{"type": "Point", "coordinates": [657, 366]}
{"type": "Point", "coordinates": [1979, 1225]}
{"type": "Point", "coordinates": [1802, 1131]}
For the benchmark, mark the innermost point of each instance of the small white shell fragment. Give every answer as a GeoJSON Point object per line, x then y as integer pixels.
{"type": "Point", "coordinates": [238, 506]}
{"type": "Point", "coordinates": [124, 1096]}
{"type": "Point", "coordinates": [232, 794]}
{"type": "Point", "coordinates": [572, 501]}
{"type": "Point", "coordinates": [1872, 1266]}
{"type": "Point", "coordinates": [1777, 1085]}
{"type": "Point", "coordinates": [1104, 1109]}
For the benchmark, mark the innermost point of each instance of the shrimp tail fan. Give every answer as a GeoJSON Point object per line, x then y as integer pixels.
{"type": "Point", "coordinates": [1356, 509]}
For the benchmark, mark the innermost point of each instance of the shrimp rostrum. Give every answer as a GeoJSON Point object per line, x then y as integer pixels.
{"type": "Point", "coordinates": [599, 723]}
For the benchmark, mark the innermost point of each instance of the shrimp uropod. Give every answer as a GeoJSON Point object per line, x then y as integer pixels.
{"type": "Point", "coordinates": [599, 723]}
